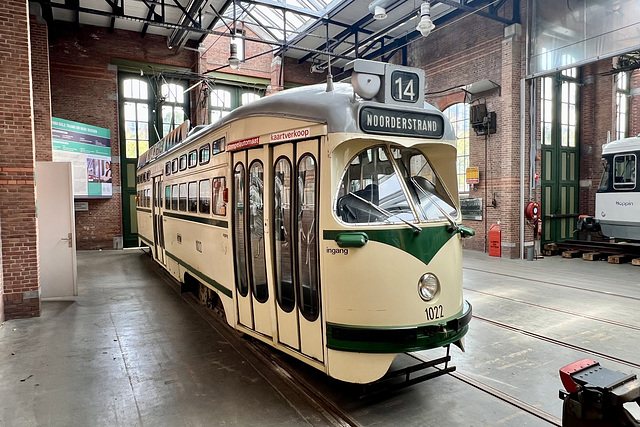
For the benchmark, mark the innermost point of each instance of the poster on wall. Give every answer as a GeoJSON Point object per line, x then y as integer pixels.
{"type": "Point", "coordinates": [88, 148]}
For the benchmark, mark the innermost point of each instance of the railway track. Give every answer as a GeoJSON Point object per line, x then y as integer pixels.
{"type": "Point", "coordinates": [291, 386]}
{"type": "Point", "coordinates": [499, 394]}
{"type": "Point", "coordinates": [558, 310]}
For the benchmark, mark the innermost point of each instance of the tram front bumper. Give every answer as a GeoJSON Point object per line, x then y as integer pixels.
{"type": "Point", "coordinates": [399, 340]}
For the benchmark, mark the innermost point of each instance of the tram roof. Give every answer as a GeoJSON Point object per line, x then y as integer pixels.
{"type": "Point", "coordinates": [313, 103]}
{"type": "Point", "coordinates": [336, 109]}
{"type": "Point", "coordinates": [622, 145]}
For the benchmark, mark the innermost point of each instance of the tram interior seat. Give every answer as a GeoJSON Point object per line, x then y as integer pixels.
{"type": "Point", "coordinates": [353, 210]}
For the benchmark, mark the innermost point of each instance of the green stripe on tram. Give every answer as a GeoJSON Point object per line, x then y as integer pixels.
{"type": "Point", "coordinates": [147, 241]}
{"type": "Point", "coordinates": [205, 278]}
{"type": "Point", "coordinates": [198, 219]}
{"type": "Point", "coordinates": [423, 246]}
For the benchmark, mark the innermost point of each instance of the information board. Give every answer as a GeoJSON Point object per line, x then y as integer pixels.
{"type": "Point", "coordinates": [88, 148]}
{"type": "Point", "coordinates": [471, 209]}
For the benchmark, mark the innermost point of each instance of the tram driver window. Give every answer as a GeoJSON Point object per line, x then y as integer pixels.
{"type": "Point", "coordinates": [624, 172]}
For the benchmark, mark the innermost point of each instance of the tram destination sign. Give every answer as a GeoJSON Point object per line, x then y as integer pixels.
{"type": "Point", "coordinates": [403, 123]}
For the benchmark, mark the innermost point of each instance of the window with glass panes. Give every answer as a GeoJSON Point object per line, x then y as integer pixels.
{"type": "Point", "coordinates": [224, 99]}
{"type": "Point", "coordinates": [136, 117]}
{"type": "Point", "coordinates": [173, 109]}
{"type": "Point", "coordinates": [622, 105]}
{"type": "Point", "coordinates": [458, 115]}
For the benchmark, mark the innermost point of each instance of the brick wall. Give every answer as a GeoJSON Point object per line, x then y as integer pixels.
{"type": "Point", "coordinates": [634, 104]}
{"type": "Point", "coordinates": [470, 50]}
{"type": "Point", "coordinates": [41, 89]}
{"type": "Point", "coordinates": [598, 117]}
{"type": "Point", "coordinates": [19, 237]}
{"type": "Point", "coordinates": [84, 89]}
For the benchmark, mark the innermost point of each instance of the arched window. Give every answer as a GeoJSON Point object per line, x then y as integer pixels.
{"type": "Point", "coordinates": [458, 114]}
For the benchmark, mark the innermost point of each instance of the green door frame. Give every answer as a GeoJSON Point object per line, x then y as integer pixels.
{"type": "Point", "coordinates": [128, 163]}
{"type": "Point", "coordinates": [560, 155]}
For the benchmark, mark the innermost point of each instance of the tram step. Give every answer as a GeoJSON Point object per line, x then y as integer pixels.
{"type": "Point", "coordinates": [572, 254]}
{"type": "Point", "coordinates": [618, 259]}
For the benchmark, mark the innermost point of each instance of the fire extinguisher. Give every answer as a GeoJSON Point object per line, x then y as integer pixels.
{"type": "Point", "coordinates": [539, 226]}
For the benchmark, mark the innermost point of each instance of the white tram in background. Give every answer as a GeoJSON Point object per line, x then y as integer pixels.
{"type": "Point", "coordinates": [618, 196]}
{"type": "Point", "coordinates": [321, 219]}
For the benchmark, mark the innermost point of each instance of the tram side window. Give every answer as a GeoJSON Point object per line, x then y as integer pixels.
{"type": "Point", "coordinates": [219, 205]}
{"type": "Point", "coordinates": [219, 145]}
{"type": "Point", "coordinates": [174, 165]}
{"type": "Point", "coordinates": [167, 168]}
{"type": "Point", "coordinates": [193, 197]}
{"type": "Point", "coordinates": [182, 202]}
{"type": "Point", "coordinates": [306, 213]}
{"type": "Point", "coordinates": [193, 158]}
{"type": "Point", "coordinates": [174, 197]}
{"type": "Point", "coordinates": [205, 154]}
{"type": "Point", "coordinates": [167, 197]}
{"type": "Point", "coordinates": [183, 162]}
{"type": "Point", "coordinates": [282, 194]}
{"type": "Point", "coordinates": [205, 196]}
{"type": "Point", "coordinates": [624, 172]}
{"type": "Point", "coordinates": [148, 197]}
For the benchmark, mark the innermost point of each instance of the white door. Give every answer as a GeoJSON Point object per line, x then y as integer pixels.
{"type": "Point", "coordinates": [56, 229]}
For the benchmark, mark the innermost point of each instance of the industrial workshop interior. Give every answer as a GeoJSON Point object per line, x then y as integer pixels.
{"type": "Point", "coordinates": [319, 213]}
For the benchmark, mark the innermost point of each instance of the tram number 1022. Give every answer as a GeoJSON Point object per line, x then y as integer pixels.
{"type": "Point", "coordinates": [404, 87]}
{"type": "Point", "coordinates": [434, 313]}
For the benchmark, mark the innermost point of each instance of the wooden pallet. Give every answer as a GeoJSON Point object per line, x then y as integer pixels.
{"type": "Point", "coordinates": [635, 261]}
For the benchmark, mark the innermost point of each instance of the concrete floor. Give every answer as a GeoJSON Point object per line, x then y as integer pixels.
{"type": "Point", "coordinates": [130, 350]}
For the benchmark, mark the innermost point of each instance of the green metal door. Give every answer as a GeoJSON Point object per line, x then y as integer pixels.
{"type": "Point", "coordinates": [560, 155]}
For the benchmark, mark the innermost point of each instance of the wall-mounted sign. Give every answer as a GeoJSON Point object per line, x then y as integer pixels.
{"type": "Point", "coordinates": [401, 123]}
{"type": "Point", "coordinates": [81, 206]}
{"type": "Point", "coordinates": [88, 148]}
{"type": "Point", "coordinates": [471, 209]}
{"type": "Point", "coordinates": [473, 175]}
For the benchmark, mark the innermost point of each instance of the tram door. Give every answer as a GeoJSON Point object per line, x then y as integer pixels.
{"type": "Point", "coordinates": [250, 241]}
{"type": "Point", "coordinates": [294, 230]}
{"type": "Point", "coordinates": [158, 229]}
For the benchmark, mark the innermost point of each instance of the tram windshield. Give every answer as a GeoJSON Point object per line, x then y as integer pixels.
{"type": "Point", "coordinates": [378, 183]}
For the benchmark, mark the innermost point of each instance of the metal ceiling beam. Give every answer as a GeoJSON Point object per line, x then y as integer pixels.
{"type": "Point", "coordinates": [169, 25]}
{"type": "Point", "coordinates": [492, 14]}
{"type": "Point", "coordinates": [357, 26]}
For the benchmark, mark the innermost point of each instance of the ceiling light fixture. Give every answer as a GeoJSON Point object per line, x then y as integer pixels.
{"type": "Point", "coordinates": [233, 61]}
{"type": "Point", "coordinates": [426, 25]}
{"type": "Point", "coordinates": [379, 12]}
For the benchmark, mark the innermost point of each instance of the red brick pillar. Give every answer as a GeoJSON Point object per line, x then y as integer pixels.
{"type": "Point", "coordinates": [276, 76]}
{"type": "Point", "coordinates": [41, 88]}
{"type": "Point", "coordinates": [19, 235]}
{"type": "Point", "coordinates": [634, 104]}
{"type": "Point", "coordinates": [506, 150]}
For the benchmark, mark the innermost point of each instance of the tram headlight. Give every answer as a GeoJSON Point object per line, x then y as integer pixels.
{"type": "Point", "coordinates": [428, 286]}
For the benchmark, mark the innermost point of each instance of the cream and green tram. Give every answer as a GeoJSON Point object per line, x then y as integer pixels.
{"type": "Point", "coordinates": [321, 219]}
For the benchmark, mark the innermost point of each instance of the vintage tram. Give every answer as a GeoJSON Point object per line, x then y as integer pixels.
{"type": "Point", "coordinates": [321, 219]}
